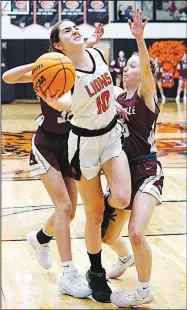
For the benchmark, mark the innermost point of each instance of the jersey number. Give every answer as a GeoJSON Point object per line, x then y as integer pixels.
{"type": "Point", "coordinates": [125, 131]}
{"type": "Point", "coordinates": [65, 117]}
{"type": "Point", "coordinates": [102, 102]}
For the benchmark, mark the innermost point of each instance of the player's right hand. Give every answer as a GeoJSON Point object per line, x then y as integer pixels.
{"type": "Point", "coordinates": [50, 100]}
{"type": "Point", "coordinates": [121, 111]}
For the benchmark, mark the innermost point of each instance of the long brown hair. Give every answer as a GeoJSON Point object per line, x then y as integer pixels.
{"type": "Point", "coordinates": [54, 36]}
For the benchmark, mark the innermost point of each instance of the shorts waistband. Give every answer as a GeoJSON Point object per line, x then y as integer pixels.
{"type": "Point", "coordinates": [143, 158]}
{"type": "Point", "coordinates": [52, 134]}
{"type": "Point", "coordinates": [83, 132]}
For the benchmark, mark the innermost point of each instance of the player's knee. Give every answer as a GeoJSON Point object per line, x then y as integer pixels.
{"type": "Point", "coordinates": [109, 240]}
{"type": "Point", "coordinates": [121, 199]}
{"type": "Point", "coordinates": [64, 210]}
{"type": "Point", "coordinates": [94, 218]}
{"type": "Point", "coordinates": [136, 237]}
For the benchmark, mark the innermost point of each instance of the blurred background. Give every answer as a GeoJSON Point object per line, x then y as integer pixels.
{"type": "Point", "coordinates": [26, 27]}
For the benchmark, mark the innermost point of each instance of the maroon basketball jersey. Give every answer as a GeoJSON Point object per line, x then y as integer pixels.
{"type": "Point", "coordinates": [158, 72]}
{"type": "Point", "coordinates": [119, 64]}
{"type": "Point", "coordinates": [54, 121]}
{"type": "Point", "coordinates": [183, 69]}
{"type": "Point", "coordinates": [140, 129]}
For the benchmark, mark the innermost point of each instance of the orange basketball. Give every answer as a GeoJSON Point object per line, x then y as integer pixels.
{"type": "Point", "coordinates": [55, 72]}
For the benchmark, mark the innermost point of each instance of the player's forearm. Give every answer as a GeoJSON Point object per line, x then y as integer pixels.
{"type": "Point", "coordinates": [21, 74]}
{"type": "Point", "coordinates": [63, 103]}
{"type": "Point", "coordinates": [143, 54]}
{"type": "Point", "coordinates": [61, 106]}
{"type": "Point", "coordinates": [89, 45]}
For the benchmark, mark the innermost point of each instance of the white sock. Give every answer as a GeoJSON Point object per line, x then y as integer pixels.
{"type": "Point", "coordinates": [68, 266]}
{"type": "Point", "coordinates": [125, 258]}
{"type": "Point", "coordinates": [143, 288]}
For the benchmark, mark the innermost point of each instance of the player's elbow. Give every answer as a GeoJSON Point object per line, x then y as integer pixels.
{"type": "Point", "coordinates": [6, 78]}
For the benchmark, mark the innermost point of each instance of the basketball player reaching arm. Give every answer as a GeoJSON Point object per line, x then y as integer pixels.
{"type": "Point", "coordinates": [49, 160]}
{"type": "Point", "coordinates": [146, 172]}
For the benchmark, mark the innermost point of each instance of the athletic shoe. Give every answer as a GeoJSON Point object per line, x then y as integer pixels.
{"type": "Point", "coordinates": [98, 283]}
{"type": "Point", "coordinates": [163, 99]}
{"type": "Point", "coordinates": [73, 284]}
{"type": "Point", "coordinates": [131, 299]}
{"type": "Point", "coordinates": [42, 251]}
{"type": "Point", "coordinates": [177, 100]}
{"type": "Point", "coordinates": [119, 267]}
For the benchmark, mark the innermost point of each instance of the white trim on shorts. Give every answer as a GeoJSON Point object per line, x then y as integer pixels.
{"type": "Point", "coordinates": [42, 166]}
{"type": "Point", "coordinates": [148, 187]}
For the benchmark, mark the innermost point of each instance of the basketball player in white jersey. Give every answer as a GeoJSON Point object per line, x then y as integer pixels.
{"type": "Point", "coordinates": [94, 142]}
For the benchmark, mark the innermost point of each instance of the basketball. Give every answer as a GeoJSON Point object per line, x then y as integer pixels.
{"type": "Point", "coordinates": [53, 71]}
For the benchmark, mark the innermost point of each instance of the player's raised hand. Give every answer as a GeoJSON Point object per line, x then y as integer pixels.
{"type": "Point", "coordinates": [94, 39]}
{"type": "Point", "coordinates": [137, 26]}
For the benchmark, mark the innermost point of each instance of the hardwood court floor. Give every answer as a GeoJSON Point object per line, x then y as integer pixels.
{"type": "Point", "coordinates": [26, 205]}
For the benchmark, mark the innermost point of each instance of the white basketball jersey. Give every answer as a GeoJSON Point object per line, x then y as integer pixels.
{"type": "Point", "coordinates": [93, 95]}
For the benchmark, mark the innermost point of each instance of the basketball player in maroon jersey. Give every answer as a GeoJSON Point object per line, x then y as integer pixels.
{"type": "Point", "coordinates": [49, 160]}
{"type": "Point", "coordinates": [158, 79]}
{"type": "Point", "coordinates": [182, 67]}
{"type": "Point", "coordinates": [146, 171]}
{"type": "Point", "coordinates": [118, 65]}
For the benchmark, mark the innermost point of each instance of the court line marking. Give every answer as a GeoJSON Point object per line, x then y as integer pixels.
{"type": "Point", "coordinates": [51, 207]}
{"type": "Point", "coordinates": [126, 236]}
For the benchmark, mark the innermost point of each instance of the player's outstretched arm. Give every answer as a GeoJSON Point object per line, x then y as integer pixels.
{"type": "Point", "coordinates": [147, 88]}
{"type": "Point", "coordinates": [21, 74]}
{"type": "Point", "coordinates": [94, 39]}
{"type": "Point", "coordinates": [62, 103]}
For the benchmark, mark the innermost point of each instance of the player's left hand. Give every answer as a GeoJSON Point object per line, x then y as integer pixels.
{"type": "Point", "coordinates": [137, 26]}
{"type": "Point", "coordinates": [94, 39]}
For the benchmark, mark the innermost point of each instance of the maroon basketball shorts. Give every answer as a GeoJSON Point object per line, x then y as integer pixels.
{"type": "Point", "coordinates": [158, 78]}
{"type": "Point", "coordinates": [49, 150]}
{"type": "Point", "coordinates": [183, 78]}
{"type": "Point", "coordinates": [148, 178]}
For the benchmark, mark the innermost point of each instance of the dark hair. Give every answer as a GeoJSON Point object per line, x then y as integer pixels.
{"type": "Point", "coordinates": [151, 62]}
{"type": "Point", "coordinates": [54, 36]}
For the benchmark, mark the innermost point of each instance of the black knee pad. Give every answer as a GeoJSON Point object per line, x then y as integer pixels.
{"type": "Point", "coordinates": [107, 216]}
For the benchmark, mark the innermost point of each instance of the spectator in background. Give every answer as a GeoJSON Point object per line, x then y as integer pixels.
{"type": "Point", "coordinates": [117, 65]}
{"type": "Point", "coordinates": [121, 13]}
{"type": "Point", "coordinates": [128, 14]}
{"type": "Point", "coordinates": [183, 10]}
{"type": "Point", "coordinates": [158, 79]}
{"type": "Point", "coordinates": [172, 8]}
{"type": "Point", "coordinates": [182, 67]}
